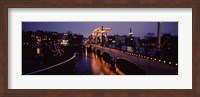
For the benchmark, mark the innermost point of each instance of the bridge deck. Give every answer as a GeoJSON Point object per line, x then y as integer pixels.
{"type": "Point", "coordinates": [152, 67]}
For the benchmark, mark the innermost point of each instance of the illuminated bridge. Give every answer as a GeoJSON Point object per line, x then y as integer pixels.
{"type": "Point", "coordinates": [151, 66]}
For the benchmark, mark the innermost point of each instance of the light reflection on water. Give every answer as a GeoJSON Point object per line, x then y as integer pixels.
{"type": "Point", "coordinates": [96, 64]}
{"type": "Point", "coordinates": [86, 53]}
{"type": "Point", "coordinates": [91, 64]}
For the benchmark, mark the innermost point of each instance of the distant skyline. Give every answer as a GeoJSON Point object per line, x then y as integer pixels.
{"type": "Point", "coordinates": [139, 29]}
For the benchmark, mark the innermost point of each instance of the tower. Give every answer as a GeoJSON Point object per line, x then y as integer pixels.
{"type": "Point", "coordinates": [130, 33]}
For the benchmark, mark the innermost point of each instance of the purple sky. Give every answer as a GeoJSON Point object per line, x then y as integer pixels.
{"type": "Point", "coordinates": [139, 29]}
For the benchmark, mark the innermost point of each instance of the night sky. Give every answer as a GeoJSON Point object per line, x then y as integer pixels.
{"type": "Point", "coordinates": [139, 29]}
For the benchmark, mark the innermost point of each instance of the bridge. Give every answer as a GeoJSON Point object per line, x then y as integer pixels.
{"type": "Point", "coordinates": [152, 66]}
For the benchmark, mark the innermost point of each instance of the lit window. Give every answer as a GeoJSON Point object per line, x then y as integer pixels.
{"type": "Point", "coordinates": [32, 35]}
{"type": "Point", "coordinates": [38, 50]}
{"type": "Point", "coordinates": [65, 42]}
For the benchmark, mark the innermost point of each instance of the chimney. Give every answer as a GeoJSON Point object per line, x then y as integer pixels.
{"type": "Point", "coordinates": [158, 36]}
